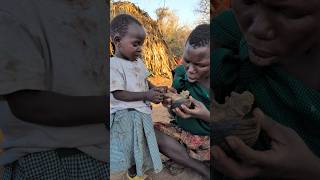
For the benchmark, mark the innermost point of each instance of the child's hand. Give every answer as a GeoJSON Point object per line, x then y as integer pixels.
{"type": "Point", "coordinates": [171, 89]}
{"type": "Point", "coordinates": [167, 100]}
{"type": "Point", "coordinates": [161, 89]}
{"type": "Point", "coordinates": [154, 95]}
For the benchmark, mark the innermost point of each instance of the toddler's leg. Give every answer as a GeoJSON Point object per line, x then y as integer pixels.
{"type": "Point", "coordinates": [132, 171]}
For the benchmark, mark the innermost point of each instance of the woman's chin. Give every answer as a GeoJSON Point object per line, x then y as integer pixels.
{"type": "Point", "coordinates": [262, 61]}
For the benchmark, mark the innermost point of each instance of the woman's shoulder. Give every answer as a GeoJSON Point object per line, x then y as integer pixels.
{"type": "Point", "coordinates": [224, 66]}
{"type": "Point", "coordinates": [179, 69]}
{"type": "Point", "coordinates": [230, 71]}
{"type": "Point", "coordinates": [225, 30]}
{"type": "Point", "coordinates": [179, 77]}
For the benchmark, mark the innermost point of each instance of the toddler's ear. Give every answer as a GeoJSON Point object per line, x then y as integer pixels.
{"type": "Point", "coordinates": [116, 39]}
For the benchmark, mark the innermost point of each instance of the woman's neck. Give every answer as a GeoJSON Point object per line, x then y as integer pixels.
{"type": "Point", "coordinates": [205, 83]}
{"type": "Point", "coordinates": [306, 68]}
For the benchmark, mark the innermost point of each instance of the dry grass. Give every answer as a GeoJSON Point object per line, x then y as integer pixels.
{"type": "Point", "coordinates": [160, 81]}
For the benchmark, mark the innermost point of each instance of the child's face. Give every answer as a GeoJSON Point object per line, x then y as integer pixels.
{"type": "Point", "coordinates": [278, 31]}
{"type": "Point", "coordinates": [196, 62]}
{"type": "Point", "coordinates": [130, 46]}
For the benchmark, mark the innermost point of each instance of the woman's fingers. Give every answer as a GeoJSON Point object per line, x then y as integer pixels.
{"type": "Point", "coordinates": [230, 167]}
{"type": "Point", "coordinates": [181, 113]}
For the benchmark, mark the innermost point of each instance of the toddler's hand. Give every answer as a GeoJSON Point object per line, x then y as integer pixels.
{"type": "Point", "coordinates": [167, 99]}
{"type": "Point", "coordinates": [154, 95]}
{"type": "Point", "coordinates": [161, 89]}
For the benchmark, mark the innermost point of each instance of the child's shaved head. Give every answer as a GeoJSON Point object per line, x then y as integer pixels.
{"type": "Point", "coordinates": [200, 36]}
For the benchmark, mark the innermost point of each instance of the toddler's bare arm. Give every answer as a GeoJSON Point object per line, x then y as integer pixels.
{"type": "Point", "coordinates": [53, 109]}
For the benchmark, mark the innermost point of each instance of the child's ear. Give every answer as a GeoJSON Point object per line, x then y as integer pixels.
{"type": "Point", "coordinates": [116, 39]}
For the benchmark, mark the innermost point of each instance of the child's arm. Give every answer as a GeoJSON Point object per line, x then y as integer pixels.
{"type": "Point", "coordinates": [152, 95]}
{"type": "Point", "coordinates": [129, 96]}
{"type": "Point", "coordinates": [53, 109]}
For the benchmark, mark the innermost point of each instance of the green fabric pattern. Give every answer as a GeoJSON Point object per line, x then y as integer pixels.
{"type": "Point", "coordinates": [198, 92]}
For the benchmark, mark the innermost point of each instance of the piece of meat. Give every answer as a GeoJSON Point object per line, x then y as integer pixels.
{"type": "Point", "coordinates": [179, 99]}
{"type": "Point", "coordinates": [234, 117]}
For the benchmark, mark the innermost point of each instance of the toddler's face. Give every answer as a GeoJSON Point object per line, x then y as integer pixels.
{"type": "Point", "coordinates": [197, 62]}
{"type": "Point", "coordinates": [130, 46]}
{"type": "Point", "coordinates": [278, 31]}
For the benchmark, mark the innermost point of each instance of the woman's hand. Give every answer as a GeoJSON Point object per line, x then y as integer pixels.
{"type": "Point", "coordinates": [199, 111]}
{"type": "Point", "coordinates": [289, 156]}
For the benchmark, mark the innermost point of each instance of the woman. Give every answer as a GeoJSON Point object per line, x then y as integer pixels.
{"type": "Point", "coordinates": [278, 62]}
